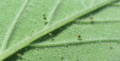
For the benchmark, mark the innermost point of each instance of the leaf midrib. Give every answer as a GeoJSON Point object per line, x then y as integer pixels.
{"type": "Point", "coordinates": [29, 40]}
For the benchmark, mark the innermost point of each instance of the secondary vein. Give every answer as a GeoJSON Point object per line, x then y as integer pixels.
{"type": "Point", "coordinates": [52, 13]}
{"type": "Point", "coordinates": [29, 40]}
{"type": "Point", "coordinates": [12, 27]}
{"type": "Point", "coordinates": [65, 43]}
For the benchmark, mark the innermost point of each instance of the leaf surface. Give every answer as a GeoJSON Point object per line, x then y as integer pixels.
{"type": "Point", "coordinates": [98, 40]}
{"type": "Point", "coordinates": [100, 25]}
{"type": "Point", "coordinates": [29, 20]}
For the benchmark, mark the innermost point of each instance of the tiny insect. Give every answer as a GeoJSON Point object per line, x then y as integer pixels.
{"type": "Point", "coordinates": [62, 58]}
{"type": "Point", "coordinates": [46, 23]}
{"type": "Point", "coordinates": [111, 47]}
{"type": "Point", "coordinates": [44, 17]}
{"type": "Point", "coordinates": [66, 46]}
{"type": "Point", "coordinates": [77, 59]}
{"type": "Point", "coordinates": [79, 37]}
{"type": "Point", "coordinates": [92, 22]}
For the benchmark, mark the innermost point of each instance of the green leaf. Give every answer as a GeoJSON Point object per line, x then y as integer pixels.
{"type": "Point", "coordinates": [98, 41]}
{"type": "Point", "coordinates": [80, 52]}
{"type": "Point", "coordinates": [98, 26]}
{"type": "Point", "coordinates": [28, 19]}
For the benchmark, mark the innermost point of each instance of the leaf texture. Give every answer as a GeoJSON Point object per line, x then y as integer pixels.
{"type": "Point", "coordinates": [97, 26]}
{"type": "Point", "coordinates": [92, 38]}
{"type": "Point", "coordinates": [29, 18]}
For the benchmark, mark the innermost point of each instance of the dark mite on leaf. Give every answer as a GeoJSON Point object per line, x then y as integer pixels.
{"type": "Point", "coordinates": [92, 22]}
{"type": "Point", "coordinates": [62, 58]}
{"type": "Point", "coordinates": [77, 59]}
{"type": "Point", "coordinates": [44, 17]}
{"type": "Point", "coordinates": [46, 23]}
{"type": "Point", "coordinates": [79, 37]}
{"type": "Point", "coordinates": [111, 47]}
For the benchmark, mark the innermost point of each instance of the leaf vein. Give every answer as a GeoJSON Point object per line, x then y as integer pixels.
{"type": "Point", "coordinates": [12, 27]}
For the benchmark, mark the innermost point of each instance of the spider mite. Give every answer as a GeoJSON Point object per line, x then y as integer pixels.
{"type": "Point", "coordinates": [44, 17]}
{"type": "Point", "coordinates": [46, 23]}
{"type": "Point", "coordinates": [79, 37]}
{"type": "Point", "coordinates": [92, 22]}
